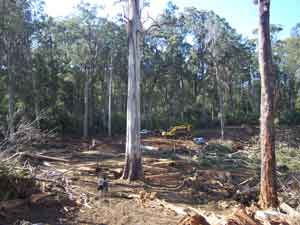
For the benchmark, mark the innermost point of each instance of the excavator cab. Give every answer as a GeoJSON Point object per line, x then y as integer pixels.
{"type": "Point", "coordinates": [178, 131]}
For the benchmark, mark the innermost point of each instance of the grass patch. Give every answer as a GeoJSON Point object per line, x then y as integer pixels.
{"type": "Point", "coordinates": [287, 156]}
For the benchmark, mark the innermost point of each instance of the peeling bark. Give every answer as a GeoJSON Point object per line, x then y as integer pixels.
{"type": "Point", "coordinates": [268, 193]}
{"type": "Point", "coordinates": [133, 161]}
{"type": "Point", "coordinates": [109, 95]}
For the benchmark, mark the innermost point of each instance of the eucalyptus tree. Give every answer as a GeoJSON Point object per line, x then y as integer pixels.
{"type": "Point", "coordinates": [113, 47]}
{"type": "Point", "coordinates": [16, 29]}
{"type": "Point", "coordinates": [268, 186]}
{"type": "Point", "coordinates": [221, 41]}
{"type": "Point", "coordinates": [133, 160]}
{"type": "Point", "coordinates": [83, 44]}
{"type": "Point", "coordinates": [288, 60]}
{"type": "Point", "coordinates": [49, 66]}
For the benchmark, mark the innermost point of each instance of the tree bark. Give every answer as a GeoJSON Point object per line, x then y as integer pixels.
{"type": "Point", "coordinates": [91, 110]}
{"type": "Point", "coordinates": [221, 103]}
{"type": "Point", "coordinates": [133, 162]}
{"type": "Point", "coordinates": [86, 107]}
{"type": "Point", "coordinates": [11, 96]}
{"type": "Point", "coordinates": [109, 95]}
{"type": "Point", "coordinates": [291, 94]}
{"type": "Point", "coordinates": [36, 99]}
{"type": "Point", "coordinates": [11, 103]}
{"type": "Point", "coordinates": [268, 193]}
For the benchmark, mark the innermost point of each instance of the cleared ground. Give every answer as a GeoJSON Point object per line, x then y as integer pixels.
{"type": "Point", "coordinates": [215, 175]}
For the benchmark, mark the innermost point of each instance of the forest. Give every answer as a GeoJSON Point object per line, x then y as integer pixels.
{"type": "Point", "coordinates": [173, 119]}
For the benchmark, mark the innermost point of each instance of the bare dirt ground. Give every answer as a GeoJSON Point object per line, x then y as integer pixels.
{"type": "Point", "coordinates": [216, 176]}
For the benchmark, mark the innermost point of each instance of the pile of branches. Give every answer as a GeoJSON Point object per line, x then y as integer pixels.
{"type": "Point", "coordinates": [27, 134]}
{"type": "Point", "coordinates": [16, 175]}
{"type": "Point", "coordinates": [285, 215]}
{"type": "Point", "coordinates": [290, 189]}
{"type": "Point", "coordinates": [16, 180]}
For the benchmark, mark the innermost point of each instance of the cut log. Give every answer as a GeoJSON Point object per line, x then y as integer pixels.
{"type": "Point", "coordinates": [179, 210]}
{"type": "Point", "coordinates": [240, 217]}
{"type": "Point", "coordinates": [149, 148]}
{"type": "Point", "coordinates": [123, 195]}
{"type": "Point", "coordinates": [117, 173]}
{"type": "Point", "coordinates": [289, 210]}
{"type": "Point", "coordinates": [178, 163]}
{"type": "Point", "coordinates": [86, 169]}
{"type": "Point", "coordinates": [193, 220]}
{"type": "Point", "coordinates": [37, 198]}
{"type": "Point", "coordinates": [153, 169]}
{"type": "Point", "coordinates": [271, 216]}
{"type": "Point", "coordinates": [164, 176]}
{"type": "Point", "coordinates": [44, 157]}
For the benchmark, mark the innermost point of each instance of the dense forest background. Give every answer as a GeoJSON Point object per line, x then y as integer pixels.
{"type": "Point", "coordinates": [195, 69]}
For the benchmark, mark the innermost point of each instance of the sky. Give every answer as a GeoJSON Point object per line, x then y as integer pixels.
{"type": "Point", "coordinates": [241, 14]}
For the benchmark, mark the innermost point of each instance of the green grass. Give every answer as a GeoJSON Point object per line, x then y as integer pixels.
{"type": "Point", "coordinates": [289, 157]}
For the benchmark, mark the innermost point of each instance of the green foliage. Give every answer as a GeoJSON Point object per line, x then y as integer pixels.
{"type": "Point", "coordinates": [51, 60]}
{"type": "Point", "coordinates": [290, 118]}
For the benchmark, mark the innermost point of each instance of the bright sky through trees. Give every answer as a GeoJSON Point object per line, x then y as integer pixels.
{"type": "Point", "coordinates": [241, 14]}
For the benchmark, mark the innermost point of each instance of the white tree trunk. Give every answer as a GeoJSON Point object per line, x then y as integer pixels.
{"type": "Point", "coordinates": [86, 107]}
{"type": "Point", "coordinates": [221, 102]}
{"type": "Point", "coordinates": [109, 95]}
{"type": "Point", "coordinates": [133, 161]}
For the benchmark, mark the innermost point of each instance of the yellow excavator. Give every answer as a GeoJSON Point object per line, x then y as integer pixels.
{"type": "Point", "coordinates": [178, 131]}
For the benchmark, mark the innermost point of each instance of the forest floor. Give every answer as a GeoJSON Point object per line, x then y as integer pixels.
{"type": "Point", "coordinates": [222, 175]}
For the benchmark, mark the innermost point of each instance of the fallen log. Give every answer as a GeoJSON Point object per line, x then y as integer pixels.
{"type": "Point", "coordinates": [240, 217]}
{"type": "Point", "coordinates": [123, 195]}
{"type": "Point", "coordinates": [271, 216]}
{"type": "Point", "coordinates": [153, 169]}
{"type": "Point", "coordinates": [289, 210]}
{"type": "Point", "coordinates": [191, 215]}
{"type": "Point", "coordinates": [164, 176]}
{"type": "Point", "coordinates": [37, 198]}
{"type": "Point", "coordinates": [193, 220]}
{"type": "Point", "coordinates": [173, 163]}
{"type": "Point", "coordinates": [149, 148]}
{"type": "Point", "coordinates": [44, 157]}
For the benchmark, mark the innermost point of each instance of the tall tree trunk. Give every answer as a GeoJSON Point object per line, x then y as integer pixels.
{"type": "Point", "coordinates": [291, 95]}
{"type": "Point", "coordinates": [36, 99]}
{"type": "Point", "coordinates": [109, 95]}
{"type": "Point", "coordinates": [11, 95]}
{"type": "Point", "coordinates": [104, 93]}
{"type": "Point", "coordinates": [221, 102]}
{"type": "Point", "coordinates": [133, 162]}
{"type": "Point", "coordinates": [86, 107]}
{"type": "Point", "coordinates": [11, 101]}
{"type": "Point", "coordinates": [252, 95]}
{"type": "Point", "coordinates": [91, 111]}
{"type": "Point", "coordinates": [268, 193]}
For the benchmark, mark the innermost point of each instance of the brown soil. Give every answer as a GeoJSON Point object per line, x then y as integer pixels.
{"type": "Point", "coordinates": [162, 170]}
